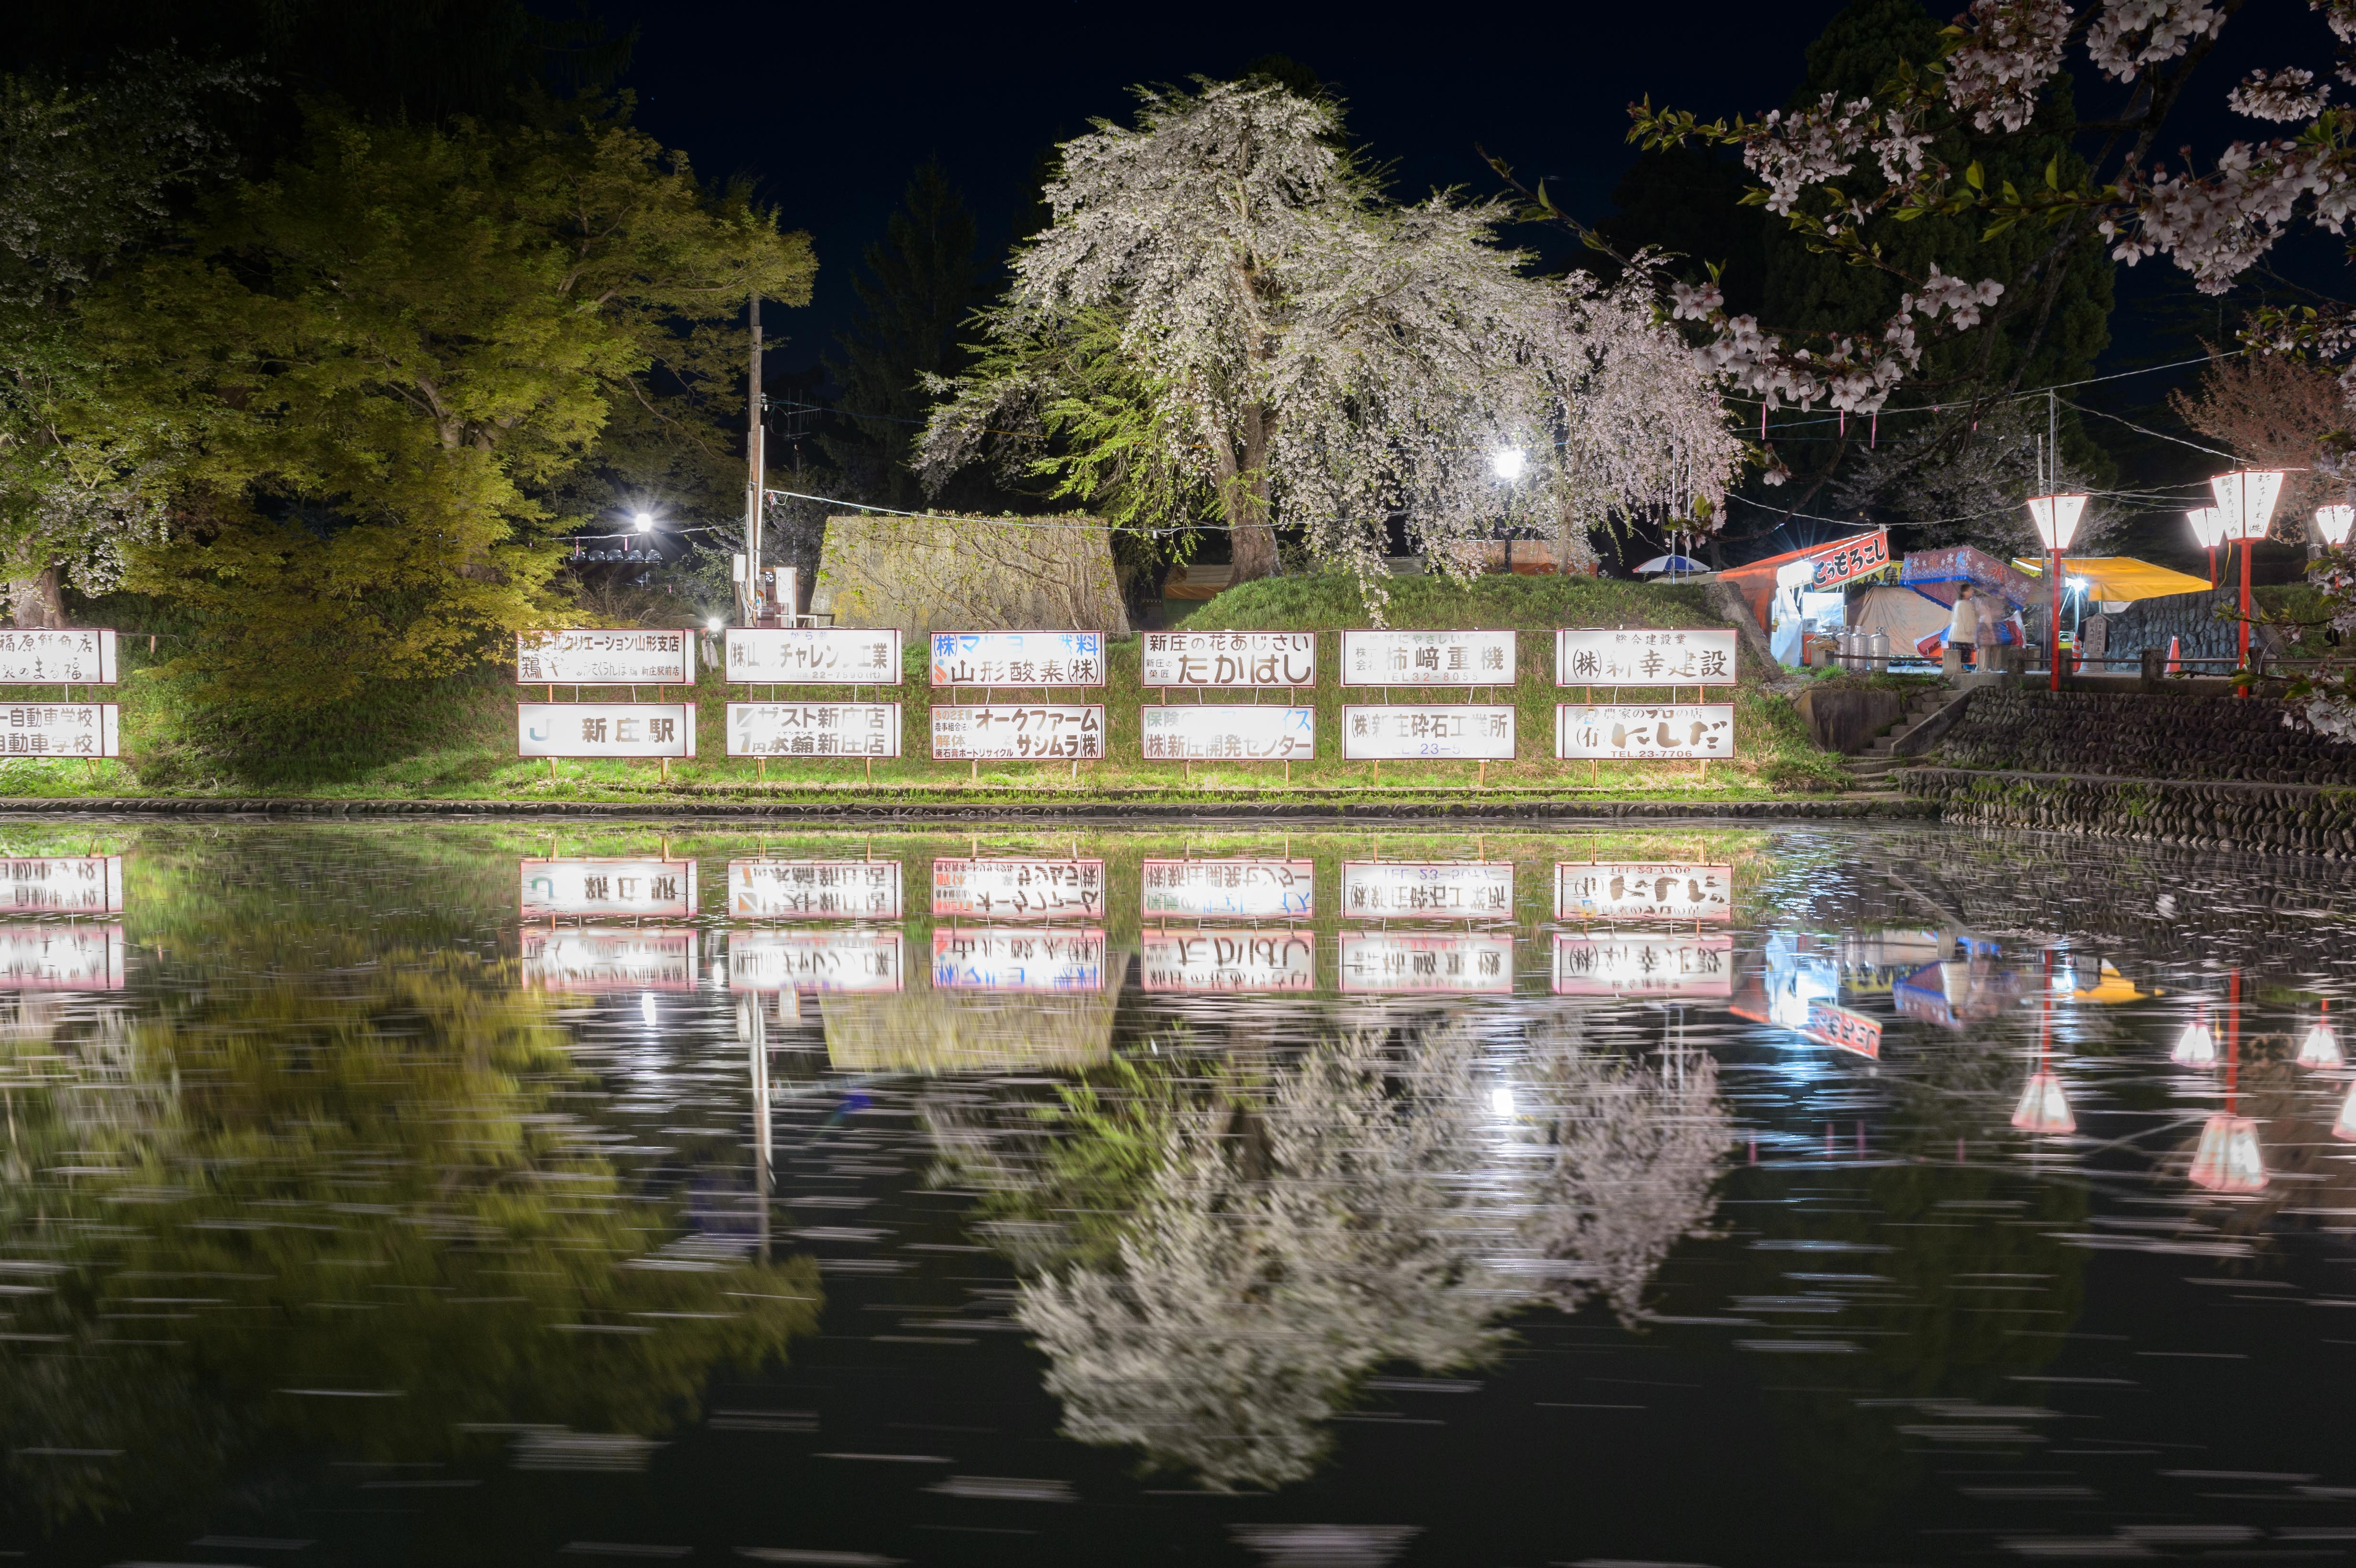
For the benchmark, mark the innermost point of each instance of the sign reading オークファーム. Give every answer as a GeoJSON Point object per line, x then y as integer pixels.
{"type": "Point", "coordinates": [1643, 656]}
{"type": "Point", "coordinates": [65, 657]}
{"type": "Point", "coordinates": [822, 655]}
{"type": "Point", "coordinates": [1644, 734]}
{"type": "Point", "coordinates": [814, 729]}
{"type": "Point", "coordinates": [1018, 658]}
{"type": "Point", "coordinates": [617, 729]}
{"type": "Point", "coordinates": [1227, 731]}
{"type": "Point", "coordinates": [593, 658]}
{"type": "Point", "coordinates": [1229, 661]}
{"type": "Point", "coordinates": [1427, 659]}
{"type": "Point", "coordinates": [1028, 732]}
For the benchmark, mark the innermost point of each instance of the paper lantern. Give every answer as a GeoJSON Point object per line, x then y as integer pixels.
{"type": "Point", "coordinates": [2196, 1047]}
{"type": "Point", "coordinates": [2245, 502]}
{"type": "Point", "coordinates": [2056, 517]}
{"type": "Point", "coordinates": [2208, 529]}
{"type": "Point", "coordinates": [2321, 1046]}
{"type": "Point", "coordinates": [2229, 1159]}
{"type": "Point", "coordinates": [2043, 1108]}
{"type": "Point", "coordinates": [2334, 524]}
{"type": "Point", "coordinates": [2345, 1127]}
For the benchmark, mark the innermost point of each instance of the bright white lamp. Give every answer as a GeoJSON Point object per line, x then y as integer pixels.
{"type": "Point", "coordinates": [2334, 524]}
{"type": "Point", "coordinates": [2245, 502]}
{"type": "Point", "coordinates": [2208, 528]}
{"type": "Point", "coordinates": [712, 625]}
{"type": "Point", "coordinates": [1509, 464]}
{"type": "Point", "coordinates": [2229, 1159]}
{"type": "Point", "coordinates": [645, 522]}
{"type": "Point", "coordinates": [2196, 1047]}
{"type": "Point", "coordinates": [2056, 517]}
{"type": "Point", "coordinates": [2043, 1108]}
{"type": "Point", "coordinates": [2321, 1046]}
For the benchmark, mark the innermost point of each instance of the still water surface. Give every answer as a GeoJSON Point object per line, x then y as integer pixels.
{"type": "Point", "coordinates": [1935, 1196]}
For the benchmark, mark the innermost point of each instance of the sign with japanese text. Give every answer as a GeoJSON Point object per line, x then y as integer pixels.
{"type": "Point", "coordinates": [1217, 962]}
{"type": "Point", "coordinates": [813, 729]}
{"type": "Point", "coordinates": [605, 729]}
{"type": "Point", "coordinates": [1438, 889]}
{"type": "Point", "coordinates": [1643, 656]}
{"type": "Point", "coordinates": [1018, 658]}
{"type": "Point", "coordinates": [1644, 890]}
{"type": "Point", "coordinates": [1033, 732]}
{"type": "Point", "coordinates": [63, 657]}
{"type": "Point", "coordinates": [1855, 558]}
{"type": "Point", "coordinates": [45, 958]}
{"type": "Point", "coordinates": [1402, 962]}
{"type": "Point", "coordinates": [1227, 732]}
{"type": "Point", "coordinates": [854, 960]}
{"type": "Point", "coordinates": [590, 888]}
{"type": "Point", "coordinates": [1629, 733]}
{"type": "Point", "coordinates": [1644, 963]}
{"type": "Point", "coordinates": [1229, 661]}
{"type": "Point", "coordinates": [814, 889]}
{"type": "Point", "coordinates": [813, 655]}
{"type": "Point", "coordinates": [1829, 1024]}
{"type": "Point", "coordinates": [72, 884]}
{"type": "Point", "coordinates": [1228, 889]}
{"type": "Point", "coordinates": [1443, 732]}
{"type": "Point", "coordinates": [591, 657]}
{"type": "Point", "coordinates": [966, 958]}
{"type": "Point", "coordinates": [56, 731]}
{"type": "Point", "coordinates": [1427, 659]}
{"type": "Point", "coordinates": [1019, 890]}
{"type": "Point", "coordinates": [589, 960]}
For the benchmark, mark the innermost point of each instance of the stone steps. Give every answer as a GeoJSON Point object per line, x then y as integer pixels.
{"type": "Point", "coordinates": [1876, 764]}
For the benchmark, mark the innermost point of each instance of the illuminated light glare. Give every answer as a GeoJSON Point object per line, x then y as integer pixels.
{"type": "Point", "coordinates": [647, 1010]}
{"type": "Point", "coordinates": [2077, 584]}
{"type": "Point", "coordinates": [2056, 517]}
{"type": "Point", "coordinates": [2334, 524]}
{"type": "Point", "coordinates": [1501, 1102]}
{"type": "Point", "coordinates": [2245, 502]}
{"type": "Point", "coordinates": [712, 625]}
{"type": "Point", "coordinates": [2321, 1048]}
{"type": "Point", "coordinates": [2044, 1109]}
{"type": "Point", "coordinates": [1509, 465]}
{"type": "Point", "coordinates": [2229, 1159]}
{"type": "Point", "coordinates": [2196, 1047]}
{"type": "Point", "coordinates": [644, 522]}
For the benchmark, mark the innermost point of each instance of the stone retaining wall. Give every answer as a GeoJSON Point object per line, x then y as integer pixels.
{"type": "Point", "coordinates": [2124, 734]}
{"type": "Point", "coordinates": [2283, 819]}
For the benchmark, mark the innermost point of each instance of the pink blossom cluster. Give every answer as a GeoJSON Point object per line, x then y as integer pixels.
{"type": "Point", "coordinates": [1807, 146]}
{"type": "Point", "coordinates": [1854, 375]}
{"type": "Point", "coordinates": [2128, 35]}
{"type": "Point", "coordinates": [2216, 226]}
{"type": "Point", "coordinates": [2011, 49]}
{"type": "Point", "coordinates": [2287, 94]}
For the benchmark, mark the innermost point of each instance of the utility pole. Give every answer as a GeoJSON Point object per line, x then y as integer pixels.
{"type": "Point", "coordinates": [756, 460]}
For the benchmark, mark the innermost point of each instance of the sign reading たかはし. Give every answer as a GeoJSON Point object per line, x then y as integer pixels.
{"type": "Point", "coordinates": [1229, 661]}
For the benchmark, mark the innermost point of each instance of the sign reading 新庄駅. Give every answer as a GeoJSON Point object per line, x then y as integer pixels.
{"type": "Point", "coordinates": [1018, 658]}
{"type": "Point", "coordinates": [1427, 659]}
{"type": "Point", "coordinates": [1227, 731]}
{"type": "Point", "coordinates": [1638, 655]}
{"type": "Point", "coordinates": [61, 658]}
{"type": "Point", "coordinates": [1019, 890]}
{"type": "Point", "coordinates": [1031, 732]}
{"type": "Point", "coordinates": [605, 729]}
{"type": "Point", "coordinates": [1229, 661]}
{"type": "Point", "coordinates": [968, 958]}
{"type": "Point", "coordinates": [1221, 961]}
{"type": "Point", "coordinates": [814, 961]}
{"type": "Point", "coordinates": [589, 888]}
{"type": "Point", "coordinates": [1403, 962]}
{"type": "Point", "coordinates": [46, 957]}
{"type": "Point", "coordinates": [60, 731]}
{"type": "Point", "coordinates": [577, 958]}
{"type": "Point", "coordinates": [1228, 889]}
{"type": "Point", "coordinates": [1628, 733]}
{"type": "Point", "coordinates": [1642, 964]}
{"type": "Point", "coordinates": [823, 656]}
{"type": "Point", "coordinates": [72, 884]}
{"type": "Point", "coordinates": [814, 889]}
{"type": "Point", "coordinates": [813, 729]}
{"type": "Point", "coordinates": [1440, 732]}
{"type": "Point", "coordinates": [582, 656]}
{"type": "Point", "coordinates": [1441, 890]}
{"type": "Point", "coordinates": [1633, 890]}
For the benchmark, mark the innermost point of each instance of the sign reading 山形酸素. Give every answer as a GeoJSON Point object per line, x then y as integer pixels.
{"type": "Point", "coordinates": [1018, 890]}
{"type": "Point", "coordinates": [813, 655]}
{"type": "Point", "coordinates": [1428, 890]}
{"type": "Point", "coordinates": [837, 961]}
{"type": "Point", "coordinates": [1409, 962]}
{"type": "Point", "coordinates": [60, 731]}
{"type": "Point", "coordinates": [47, 957]}
{"type": "Point", "coordinates": [1018, 658]}
{"type": "Point", "coordinates": [591, 657]}
{"type": "Point", "coordinates": [1439, 731]}
{"type": "Point", "coordinates": [1642, 964]}
{"type": "Point", "coordinates": [619, 730]}
{"type": "Point", "coordinates": [1682, 892]}
{"type": "Point", "coordinates": [1229, 661]}
{"type": "Point", "coordinates": [67, 884]}
{"type": "Point", "coordinates": [67, 656]}
{"type": "Point", "coordinates": [1643, 655]}
{"type": "Point", "coordinates": [1223, 960]}
{"type": "Point", "coordinates": [588, 959]}
{"type": "Point", "coordinates": [971, 958]}
{"type": "Point", "coordinates": [1228, 889]}
{"type": "Point", "coordinates": [591, 888]}
{"type": "Point", "coordinates": [1427, 659]}
{"type": "Point", "coordinates": [814, 889]}
{"type": "Point", "coordinates": [1227, 731]}
{"type": "Point", "coordinates": [813, 729]}
{"type": "Point", "coordinates": [1026, 733]}
{"type": "Point", "coordinates": [1672, 733]}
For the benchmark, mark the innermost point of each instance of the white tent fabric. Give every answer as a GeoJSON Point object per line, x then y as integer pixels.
{"type": "Point", "coordinates": [1905, 614]}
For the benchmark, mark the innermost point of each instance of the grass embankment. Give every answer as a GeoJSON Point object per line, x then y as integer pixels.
{"type": "Point", "coordinates": [455, 738]}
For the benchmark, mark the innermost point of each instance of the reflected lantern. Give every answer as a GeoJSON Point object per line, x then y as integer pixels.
{"type": "Point", "coordinates": [2229, 1159]}
{"type": "Point", "coordinates": [2043, 1108]}
{"type": "Point", "coordinates": [2196, 1047]}
{"type": "Point", "coordinates": [2345, 1127]}
{"type": "Point", "coordinates": [2321, 1046]}
{"type": "Point", "coordinates": [2334, 524]}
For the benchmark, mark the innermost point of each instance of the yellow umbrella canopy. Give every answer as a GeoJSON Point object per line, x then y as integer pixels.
{"type": "Point", "coordinates": [2120, 578]}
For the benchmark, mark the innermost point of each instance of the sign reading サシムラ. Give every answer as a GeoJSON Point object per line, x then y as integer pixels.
{"type": "Point", "coordinates": [1227, 731]}
{"type": "Point", "coordinates": [1644, 734]}
{"type": "Point", "coordinates": [1018, 658]}
{"type": "Point", "coordinates": [1027, 732]}
{"type": "Point", "coordinates": [60, 731]}
{"type": "Point", "coordinates": [62, 658]}
{"type": "Point", "coordinates": [586, 656]}
{"type": "Point", "coordinates": [1442, 731]}
{"type": "Point", "coordinates": [1229, 661]}
{"type": "Point", "coordinates": [1427, 659]}
{"type": "Point", "coordinates": [1643, 655]}
{"type": "Point", "coordinates": [813, 655]}
{"type": "Point", "coordinates": [813, 729]}
{"type": "Point", "coordinates": [617, 729]}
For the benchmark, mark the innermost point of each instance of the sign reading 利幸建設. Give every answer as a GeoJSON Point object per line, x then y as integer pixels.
{"type": "Point", "coordinates": [1427, 659]}
{"type": "Point", "coordinates": [589, 656]}
{"type": "Point", "coordinates": [813, 729]}
{"type": "Point", "coordinates": [1227, 732]}
{"type": "Point", "coordinates": [1643, 656]}
{"type": "Point", "coordinates": [1018, 658]}
{"type": "Point", "coordinates": [56, 657]}
{"type": "Point", "coordinates": [1229, 661]}
{"type": "Point", "coordinates": [1684, 733]}
{"type": "Point", "coordinates": [1642, 964]}
{"type": "Point", "coordinates": [821, 656]}
{"type": "Point", "coordinates": [616, 729]}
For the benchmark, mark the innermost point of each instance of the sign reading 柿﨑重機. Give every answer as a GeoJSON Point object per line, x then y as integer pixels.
{"type": "Point", "coordinates": [1229, 661]}
{"type": "Point", "coordinates": [1643, 655]}
{"type": "Point", "coordinates": [1685, 732]}
{"type": "Point", "coordinates": [66, 656]}
{"type": "Point", "coordinates": [813, 729]}
{"type": "Point", "coordinates": [64, 884]}
{"type": "Point", "coordinates": [1682, 892]}
{"type": "Point", "coordinates": [1221, 961]}
{"type": "Point", "coordinates": [1025, 732]}
{"type": "Point", "coordinates": [1440, 732]}
{"type": "Point", "coordinates": [1228, 889]}
{"type": "Point", "coordinates": [838, 961]}
{"type": "Point", "coordinates": [1018, 658]}
{"type": "Point", "coordinates": [1227, 731]}
{"type": "Point", "coordinates": [1427, 659]}
{"type": "Point", "coordinates": [973, 958]}
{"type": "Point", "coordinates": [1018, 890]}
{"type": "Point", "coordinates": [813, 655]}
{"type": "Point", "coordinates": [591, 888]}
{"type": "Point", "coordinates": [1428, 890]}
{"type": "Point", "coordinates": [1855, 558]}
{"type": "Point", "coordinates": [814, 889]}
{"type": "Point", "coordinates": [1642, 964]}
{"type": "Point", "coordinates": [591, 657]}
{"type": "Point", "coordinates": [1409, 962]}
{"type": "Point", "coordinates": [619, 730]}
{"type": "Point", "coordinates": [60, 731]}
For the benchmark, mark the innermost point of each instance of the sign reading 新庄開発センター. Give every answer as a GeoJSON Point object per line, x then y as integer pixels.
{"type": "Point", "coordinates": [1220, 961]}
{"type": "Point", "coordinates": [1031, 732]}
{"type": "Point", "coordinates": [596, 657]}
{"type": "Point", "coordinates": [1229, 661]}
{"type": "Point", "coordinates": [1228, 889]}
{"type": "Point", "coordinates": [1019, 890]}
{"type": "Point", "coordinates": [60, 731]}
{"type": "Point", "coordinates": [818, 656]}
{"type": "Point", "coordinates": [588, 888]}
{"type": "Point", "coordinates": [1439, 731]}
{"type": "Point", "coordinates": [1227, 732]}
{"type": "Point", "coordinates": [1642, 964]}
{"type": "Point", "coordinates": [1631, 890]}
{"type": "Point", "coordinates": [605, 729]}
{"type": "Point", "coordinates": [813, 729]}
{"type": "Point", "coordinates": [1405, 962]}
{"type": "Point", "coordinates": [60, 657]}
{"type": "Point", "coordinates": [1427, 659]}
{"type": "Point", "coordinates": [971, 958]}
{"type": "Point", "coordinates": [1431, 889]}
{"type": "Point", "coordinates": [45, 956]}
{"type": "Point", "coordinates": [814, 889]}
{"type": "Point", "coordinates": [1633, 734]}
{"type": "Point", "coordinates": [71, 884]}
{"type": "Point", "coordinates": [1018, 658]}
{"type": "Point", "coordinates": [814, 960]}
{"type": "Point", "coordinates": [1640, 656]}
{"type": "Point", "coordinates": [590, 959]}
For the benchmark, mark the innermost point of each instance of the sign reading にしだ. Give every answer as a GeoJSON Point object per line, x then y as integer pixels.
{"type": "Point", "coordinates": [1219, 960]}
{"type": "Point", "coordinates": [64, 657]}
{"type": "Point", "coordinates": [60, 731]}
{"type": "Point", "coordinates": [75, 884]}
{"type": "Point", "coordinates": [1228, 889]}
{"type": "Point", "coordinates": [1628, 890]}
{"type": "Point", "coordinates": [1034, 732]}
{"type": "Point", "coordinates": [1638, 655]}
{"type": "Point", "coordinates": [814, 961]}
{"type": "Point", "coordinates": [968, 959]}
{"type": "Point", "coordinates": [814, 889]}
{"type": "Point", "coordinates": [591, 657]}
{"type": "Point", "coordinates": [1639, 734]}
{"type": "Point", "coordinates": [1402, 962]}
{"type": "Point", "coordinates": [596, 887]}
{"type": "Point", "coordinates": [1018, 658]}
{"type": "Point", "coordinates": [1642, 964]}
{"type": "Point", "coordinates": [1227, 731]}
{"type": "Point", "coordinates": [1428, 890]}
{"type": "Point", "coordinates": [1427, 658]}
{"type": "Point", "coordinates": [605, 729]}
{"type": "Point", "coordinates": [1229, 660]}
{"type": "Point", "coordinates": [41, 956]}
{"type": "Point", "coordinates": [821, 656]}
{"type": "Point", "coordinates": [577, 958]}
{"type": "Point", "coordinates": [813, 729]}
{"type": "Point", "coordinates": [1019, 890]}
{"type": "Point", "coordinates": [1447, 732]}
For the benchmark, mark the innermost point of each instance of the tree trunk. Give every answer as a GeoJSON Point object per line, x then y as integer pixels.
{"type": "Point", "coordinates": [1251, 542]}
{"type": "Point", "coordinates": [39, 599]}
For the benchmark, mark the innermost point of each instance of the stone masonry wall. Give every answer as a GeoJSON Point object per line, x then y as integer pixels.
{"type": "Point", "coordinates": [2283, 818]}
{"type": "Point", "coordinates": [2126, 734]}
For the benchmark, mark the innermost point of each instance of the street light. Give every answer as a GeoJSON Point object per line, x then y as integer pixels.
{"type": "Point", "coordinates": [2245, 504]}
{"type": "Point", "coordinates": [2208, 529]}
{"type": "Point", "coordinates": [1508, 463]}
{"type": "Point", "coordinates": [2334, 523]}
{"type": "Point", "coordinates": [2056, 517]}
{"type": "Point", "coordinates": [644, 522]}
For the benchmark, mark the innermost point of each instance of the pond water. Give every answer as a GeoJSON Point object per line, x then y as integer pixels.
{"type": "Point", "coordinates": [438, 1193]}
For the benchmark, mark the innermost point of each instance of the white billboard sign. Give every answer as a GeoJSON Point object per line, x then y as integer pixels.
{"type": "Point", "coordinates": [1406, 962]}
{"type": "Point", "coordinates": [1441, 890]}
{"type": "Point", "coordinates": [582, 656]}
{"type": "Point", "coordinates": [63, 657]}
{"type": "Point", "coordinates": [577, 958]}
{"type": "Point", "coordinates": [605, 729]}
{"type": "Point", "coordinates": [60, 731]}
{"type": "Point", "coordinates": [1036, 732]}
{"type": "Point", "coordinates": [71, 884]}
{"type": "Point", "coordinates": [813, 729]}
{"type": "Point", "coordinates": [1440, 732]}
{"type": "Point", "coordinates": [1427, 659]}
{"type": "Point", "coordinates": [814, 889]}
{"type": "Point", "coordinates": [45, 958]}
{"type": "Point", "coordinates": [1615, 890]}
{"type": "Point", "coordinates": [1686, 732]}
{"type": "Point", "coordinates": [1019, 890]}
{"type": "Point", "coordinates": [1214, 962]}
{"type": "Point", "coordinates": [1227, 732]}
{"type": "Point", "coordinates": [819, 656]}
{"type": "Point", "coordinates": [1229, 661]}
{"type": "Point", "coordinates": [1640, 656]}
{"type": "Point", "coordinates": [853, 961]}
{"type": "Point", "coordinates": [1644, 963]}
{"type": "Point", "coordinates": [591, 888]}
{"type": "Point", "coordinates": [1018, 658]}
{"type": "Point", "coordinates": [1228, 889]}
{"type": "Point", "coordinates": [968, 958]}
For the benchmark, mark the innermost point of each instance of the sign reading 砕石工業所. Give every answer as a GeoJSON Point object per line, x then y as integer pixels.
{"type": "Point", "coordinates": [1228, 889]}
{"type": "Point", "coordinates": [1402, 962]}
{"type": "Point", "coordinates": [1440, 732]}
{"type": "Point", "coordinates": [1030, 732]}
{"type": "Point", "coordinates": [1644, 734]}
{"type": "Point", "coordinates": [814, 889]}
{"type": "Point", "coordinates": [60, 731]}
{"type": "Point", "coordinates": [1633, 890]}
{"type": "Point", "coordinates": [969, 958]}
{"type": "Point", "coordinates": [1229, 661]}
{"type": "Point", "coordinates": [1642, 964]}
{"type": "Point", "coordinates": [591, 960]}
{"type": "Point", "coordinates": [813, 729]}
{"type": "Point", "coordinates": [70, 884]}
{"type": "Point", "coordinates": [59, 658]}
{"type": "Point", "coordinates": [605, 730]}
{"type": "Point", "coordinates": [604, 887]}
{"type": "Point", "coordinates": [1428, 889]}
{"type": "Point", "coordinates": [1221, 961]}
{"type": "Point", "coordinates": [1019, 890]}
{"type": "Point", "coordinates": [1640, 656]}
{"type": "Point", "coordinates": [814, 961]}
{"type": "Point", "coordinates": [582, 656]}
{"type": "Point", "coordinates": [822, 655]}
{"type": "Point", "coordinates": [1227, 732]}
{"type": "Point", "coordinates": [1018, 658]}
{"type": "Point", "coordinates": [1427, 658]}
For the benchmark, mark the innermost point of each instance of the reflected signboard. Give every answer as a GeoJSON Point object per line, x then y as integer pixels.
{"type": "Point", "coordinates": [1227, 732]}
{"type": "Point", "coordinates": [1638, 655]}
{"type": "Point", "coordinates": [1406, 962]}
{"type": "Point", "coordinates": [814, 889]}
{"type": "Point", "coordinates": [1441, 732]}
{"type": "Point", "coordinates": [60, 731]}
{"type": "Point", "coordinates": [813, 655]}
{"type": "Point", "coordinates": [1668, 890]}
{"type": "Point", "coordinates": [1685, 732]}
{"type": "Point", "coordinates": [588, 656]}
{"type": "Point", "coordinates": [1018, 658]}
{"type": "Point", "coordinates": [1832, 1024]}
{"type": "Point", "coordinates": [614, 730]}
{"type": "Point", "coordinates": [1433, 889]}
{"type": "Point", "coordinates": [77, 656]}
{"type": "Point", "coordinates": [1214, 962]}
{"type": "Point", "coordinates": [1427, 659]}
{"type": "Point", "coordinates": [593, 889]}
{"type": "Point", "coordinates": [972, 958]}
{"type": "Point", "coordinates": [1228, 889]}
{"type": "Point", "coordinates": [813, 729]}
{"type": "Point", "coordinates": [59, 957]}
{"type": "Point", "coordinates": [1031, 732]}
{"type": "Point", "coordinates": [1644, 963]}
{"type": "Point", "coordinates": [594, 960]}
{"type": "Point", "coordinates": [68, 884]}
{"type": "Point", "coordinates": [1018, 890]}
{"type": "Point", "coordinates": [829, 961]}
{"type": "Point", "coordinates": [1229, 661]}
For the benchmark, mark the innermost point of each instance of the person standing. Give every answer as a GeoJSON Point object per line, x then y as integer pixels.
{"type": "Point", "coordinates": [1964, 625]}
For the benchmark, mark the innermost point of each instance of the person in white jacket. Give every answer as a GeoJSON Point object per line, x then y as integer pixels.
{"type": "Point", "coordinates": [1964, 625]}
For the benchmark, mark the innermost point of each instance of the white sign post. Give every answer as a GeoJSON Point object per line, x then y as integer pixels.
{"type": "Point", "coordinates": [1642, 655]}
{"type": "Point", "coordinates": [574, 958]}
{"type": "Point", "coordinates": [837, 961]}
{"type": "Point", "coordinates": [61, 658]}
{"type": "Point", "coordinates": [1018, 890]}
{"type": "Point", "coordinates": [60, 731]}
{"type": "Point", "coordinates": [593, 658]}
{"type": "Point", "coordinates": [1439, 731]}
{"type": "Point", "coordinates": [41, 956]}
{"type": "Point", "coordinates": [1228, 889]}
{"type": "Point", "coordinates": [1217, 961]}
{"type": "Point", "coordinates": [1642, 964]}
{"type": "Point", "coordinates": [814, 889]}
{"type": "Point", "coordinates": [988, 659]}
{"type": "Point", "coordinates": [968, 958]}
{"type": "Point", "coordinates": [592, 889]}
{"type": "Point", "coordinates": [1229, 661]}
{"type": "Point", "coordinates": [1404, 963]}
{"type": "Point", "coordinates": [615, 730]}
{"type": "Point", "coordinates": [1427, 659]}
{"type": "Point", "coordinates": [1441, 890]}
{"type": "Point", "coordinates": [814, 729]}
{"type": "Point", "coordinates": [1680, 891]}
{"type": "Point", "coordinates": [1690, 732]}
{"type": "Point", "coordinates": [74, 884]}
{"type": "Point", "coordinates": [824, 656]}
{"type": "Point", "coordinates": [1227, 733]}
{"type": "Point", "coordinates": [1034, 732]}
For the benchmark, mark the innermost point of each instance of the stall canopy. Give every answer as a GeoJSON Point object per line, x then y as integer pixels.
{"type": "Point", "coordinates": [2118, 579]}
{"type": "Point", "coordinates": [1935, 574]}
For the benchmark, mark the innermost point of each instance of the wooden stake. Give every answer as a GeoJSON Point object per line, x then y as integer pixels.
{"type": "Point", "coordinates": [761, 768]}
